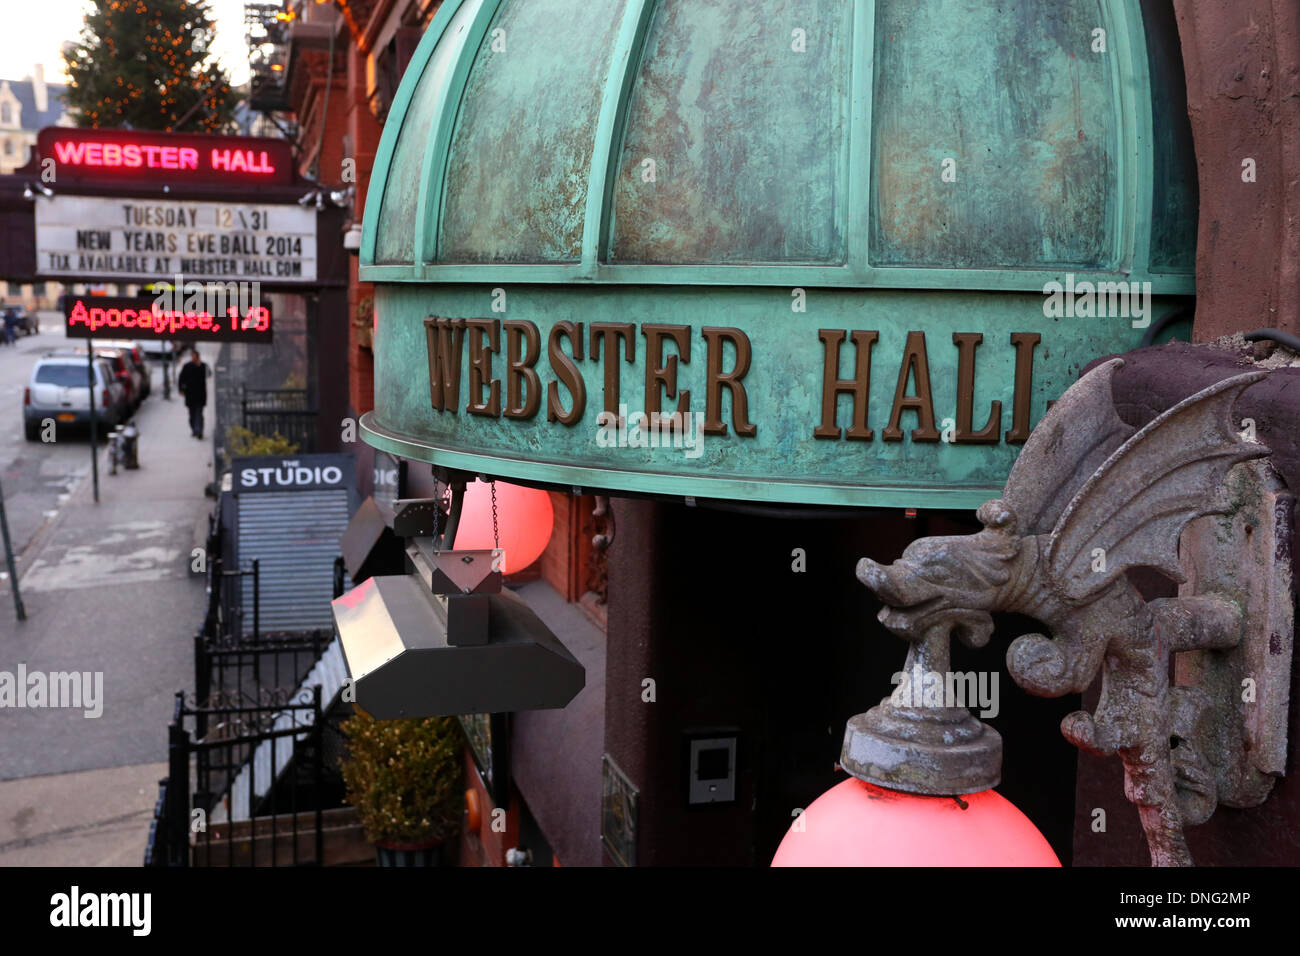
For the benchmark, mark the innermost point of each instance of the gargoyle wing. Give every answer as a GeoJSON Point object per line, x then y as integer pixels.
{"type": "Point", "coordinates": [1071, 442]}
{"type": "Point", "coordinates": [1136, 504]}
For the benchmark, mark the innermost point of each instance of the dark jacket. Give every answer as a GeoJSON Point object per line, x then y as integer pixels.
{"type": "Point", "coordinates": [193, 383]}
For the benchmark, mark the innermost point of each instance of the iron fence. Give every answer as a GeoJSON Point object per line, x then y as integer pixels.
{"type": "Point", "coordinates": [273, 797]}
{"type": "Point", "coordinates": [249, 745]}
{"type": "Point", "coordinates": [283, 411]}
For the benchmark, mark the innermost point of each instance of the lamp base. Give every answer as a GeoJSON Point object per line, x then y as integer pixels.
{"type": "Point", "coordinates": [939, 751]}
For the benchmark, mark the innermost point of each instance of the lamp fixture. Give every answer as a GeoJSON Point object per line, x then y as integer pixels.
{"type": "Point", "coordinates": [1089, 498]}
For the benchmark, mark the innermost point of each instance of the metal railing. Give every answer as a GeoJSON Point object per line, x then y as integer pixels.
{"type": "Point", "coordinates": [285, 806]}
{"type": "Point", "coordinates": [283, 411]}
{"type": "Point", "coordinates": [246, 699]}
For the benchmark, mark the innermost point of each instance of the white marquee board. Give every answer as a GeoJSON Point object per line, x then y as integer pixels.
{"type": "Point", "coordinates": [124, 239]}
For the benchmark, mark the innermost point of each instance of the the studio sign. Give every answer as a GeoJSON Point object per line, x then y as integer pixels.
{"type": "Point", "coordinates": [300, 473]}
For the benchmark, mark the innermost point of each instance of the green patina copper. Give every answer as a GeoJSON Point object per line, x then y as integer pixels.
{"type": "Point", "coordinates": [791, 144]}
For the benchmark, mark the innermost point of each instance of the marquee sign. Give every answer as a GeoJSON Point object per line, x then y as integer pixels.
{"type": "Point", "coordinates": [869, 397]}
{"type": "Point", "coordinates": [100, 156]}
{"type": "Point", "coordinates": [145, 317]}
{"type": "Point", "coordinates": [123, 239]}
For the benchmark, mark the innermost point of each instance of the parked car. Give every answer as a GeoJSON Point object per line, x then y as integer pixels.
{"type": "Point", "coordinates": [158, 348]}
{"type": "Point", "coordinates": [137, 359]}
{"type": "Point", "coordinates": [58, 389]}
{"type": "Point", "coordinates": [125, 370]}
{"type": "Point", "coordinates": [119, 359]}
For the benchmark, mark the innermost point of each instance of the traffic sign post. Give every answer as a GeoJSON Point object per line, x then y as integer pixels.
{"type": "Point", "coordinates": [9, 560]}
{"type": "Point", "coordinates": [94, 430]}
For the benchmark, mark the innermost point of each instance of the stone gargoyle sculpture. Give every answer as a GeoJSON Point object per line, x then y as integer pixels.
{"type": "Point", "coordinates": [1088, 499]}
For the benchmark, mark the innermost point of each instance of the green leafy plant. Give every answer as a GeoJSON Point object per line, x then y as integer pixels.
{"type": "Point", "coordinates": [243, 443]}
{"type": "Point", "coordinates": [405, 777]}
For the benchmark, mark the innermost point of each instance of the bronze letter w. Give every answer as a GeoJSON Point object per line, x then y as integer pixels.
{"type": "Point", "coordinates": [445, 338]}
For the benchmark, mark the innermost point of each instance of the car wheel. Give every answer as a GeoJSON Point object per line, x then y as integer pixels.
{"type": "Point", "coordinates": [32, 431]}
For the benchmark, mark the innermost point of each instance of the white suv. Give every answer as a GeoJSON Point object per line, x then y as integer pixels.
{"type": "Point", "coordinates": [58, 390]}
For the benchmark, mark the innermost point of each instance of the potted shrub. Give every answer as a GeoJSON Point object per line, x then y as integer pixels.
{"type": "Point", "coordinates": [405, 777]}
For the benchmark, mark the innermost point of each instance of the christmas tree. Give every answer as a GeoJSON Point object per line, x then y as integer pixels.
{"type": "Point", "coordinates": [144, 64]}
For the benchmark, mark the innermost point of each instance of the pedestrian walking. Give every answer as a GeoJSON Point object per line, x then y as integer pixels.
{"type": "Point", "coordinates": [10, 326]}
{"type": "Point", "coordinates": [193, 384]}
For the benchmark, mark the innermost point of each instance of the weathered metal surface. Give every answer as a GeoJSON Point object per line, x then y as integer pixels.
{"type": "Point", "coordinates": [399, 206]}
{"type": "Point", "coordinates": [520, 159]}
{"type": "Point", "coordinates": [1027, 118]}
{"type": "Point", "coordinates": [807, 138]}
{"type": "Point", "coordinates": [776, 134]}
{"type": "Point", "coordinates": [783, 460]}
{"type": "Point", "coordinates": [1056, 547]}
{"type": "Point", "coordinates": [746, 126]}
{"type": "Point", "coordinates": [904, 745]}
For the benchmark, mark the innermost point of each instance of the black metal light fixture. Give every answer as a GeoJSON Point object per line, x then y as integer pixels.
{"type": "Point", "coordinates": [446, 638]}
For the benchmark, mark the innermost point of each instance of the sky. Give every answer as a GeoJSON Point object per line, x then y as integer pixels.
{"type": "Point", "coordinates": [35, 31]}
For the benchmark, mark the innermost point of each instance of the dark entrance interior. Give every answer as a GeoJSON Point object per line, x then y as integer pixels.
{"type": "Point", "coordinates": [707, 603]}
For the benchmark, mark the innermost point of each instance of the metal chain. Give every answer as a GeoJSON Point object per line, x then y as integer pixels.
{"type": "Point", "coordinates": [437, 514]}
{"type": "Point", "coordinates": [496, 537]}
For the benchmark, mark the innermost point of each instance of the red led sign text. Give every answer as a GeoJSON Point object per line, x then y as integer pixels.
{"type": "Point", "coordinates": [124, 317]}
{"type": "Point", "coordinates": [140, 155]}
{"type": "Point", "coordinates": [105, 156]}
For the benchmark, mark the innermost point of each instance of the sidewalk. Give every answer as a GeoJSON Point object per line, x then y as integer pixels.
{"type": "Point", "coordinates": [107, 589]}
{"type": "Point", "coordinates": [49, 821]}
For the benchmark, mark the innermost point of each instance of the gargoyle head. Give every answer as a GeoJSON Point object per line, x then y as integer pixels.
{"type": "Point", "coordinates": [950, 581]}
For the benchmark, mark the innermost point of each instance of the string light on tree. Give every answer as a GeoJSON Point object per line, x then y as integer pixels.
{"type": "Point", "coordinates": [146, 65]}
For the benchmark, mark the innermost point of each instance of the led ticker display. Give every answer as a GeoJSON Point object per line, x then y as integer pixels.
{"type": "Point", "coordinates": [144, 317]}
{"type": "Point", "coordinates": [98, 156]}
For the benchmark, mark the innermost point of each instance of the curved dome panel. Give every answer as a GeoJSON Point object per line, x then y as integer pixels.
{"type": "Point", "coordinates": [401, 202]}
{"type": "Point", "coordinates": [737, 135]}
{"type": "Point", "coordinates": [994, 138]}
{"type": "Point", "coordinates": [517, 177]}
{"type": "Point", "coordinates": [951, 144]}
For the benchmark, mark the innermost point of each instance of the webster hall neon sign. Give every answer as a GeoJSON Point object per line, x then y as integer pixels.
{"type": "Point", "coordinates": [137, 155]}
{"type": "Point", "coordinates": [102, 156]}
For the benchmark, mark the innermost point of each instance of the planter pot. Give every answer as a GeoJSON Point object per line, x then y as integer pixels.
{"type": "Point", "coordinates": [437, 853]}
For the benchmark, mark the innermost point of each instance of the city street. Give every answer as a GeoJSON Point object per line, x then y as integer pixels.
{"type": "Point", "coordinates": [108, 589]}
{"type": "Point", "coordinates": [38, 478]}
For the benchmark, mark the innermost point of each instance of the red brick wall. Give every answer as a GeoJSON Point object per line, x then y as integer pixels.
{"type": "Point", "coordinates": [363, 135]}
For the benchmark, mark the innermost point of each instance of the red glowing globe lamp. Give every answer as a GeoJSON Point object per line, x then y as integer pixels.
{"type": "Point", "coordinates": [524, 521]}
{"type": "Point", "coordinates": [921, 788]}
{"type": "Point", "coordinates": [856, 823]}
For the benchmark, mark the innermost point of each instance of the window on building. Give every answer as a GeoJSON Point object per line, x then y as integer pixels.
{"type": "Point", "coordinates": [6, 115]}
